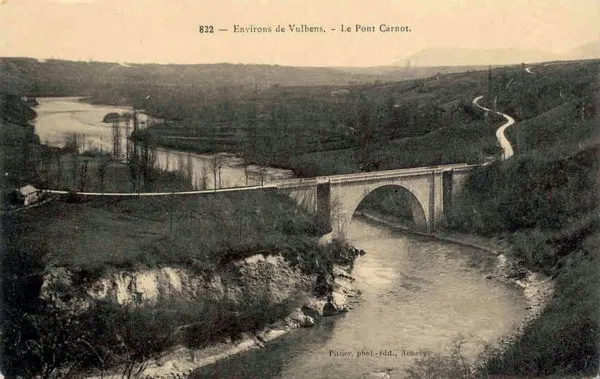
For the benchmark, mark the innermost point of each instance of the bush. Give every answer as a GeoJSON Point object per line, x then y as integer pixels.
{"type": "Point", "coordinates": [526, 192]}
{"type": "Point", "coordinates": [564, 339]}
{"type": "Point", "coordinates": [111, 117]}
{"type": "Point", "coordinates": [438, 366]}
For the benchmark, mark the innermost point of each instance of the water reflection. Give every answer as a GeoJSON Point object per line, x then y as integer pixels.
{"type": "Point", "coordinates": [60, 118]}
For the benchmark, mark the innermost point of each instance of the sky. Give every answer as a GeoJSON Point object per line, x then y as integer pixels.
{"type": "Point", "coordinates": [166, 31]}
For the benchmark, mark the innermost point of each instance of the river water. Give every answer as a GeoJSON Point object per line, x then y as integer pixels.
{"type": "Point", "coordinates": [417, 294]}
{"type": "Point", "coordinates": [60, 117]}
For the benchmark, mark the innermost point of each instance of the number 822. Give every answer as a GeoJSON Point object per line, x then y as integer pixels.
{"type": "Point", "coordinates": [206, 29]}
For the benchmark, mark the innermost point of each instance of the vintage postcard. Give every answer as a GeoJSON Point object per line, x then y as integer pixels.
{"type": "Point", "coordinates": [299, 189]}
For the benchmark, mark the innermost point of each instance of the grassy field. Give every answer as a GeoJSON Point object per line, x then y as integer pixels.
{"type": "Point", "coordinates": [198, 230]}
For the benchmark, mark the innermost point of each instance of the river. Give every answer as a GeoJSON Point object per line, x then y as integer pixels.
{"type": "Point", "coordinates": [417, 294]}
{"type": "Point", "coordinates": [59, 117]}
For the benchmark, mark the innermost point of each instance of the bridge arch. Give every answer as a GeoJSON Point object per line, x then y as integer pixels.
{"type": "Point", "coordinates": [346, 196]}
{"type": "Point", "coordinates": [396, 196]}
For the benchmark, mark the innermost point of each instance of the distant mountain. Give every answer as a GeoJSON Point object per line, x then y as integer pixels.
{"type": "Point", "coordinates": [451, 56]}
{"type": "Point", "coordinates": [589, 50]}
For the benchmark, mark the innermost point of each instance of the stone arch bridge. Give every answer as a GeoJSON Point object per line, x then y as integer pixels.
{"type": "Point", "coordinates": [335, 198]}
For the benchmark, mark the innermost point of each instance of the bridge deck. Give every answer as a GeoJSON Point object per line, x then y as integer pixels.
{"type": "Point", "coordinates": [290, 183]}
{"type": "Point", "coordinates": [361, 176]}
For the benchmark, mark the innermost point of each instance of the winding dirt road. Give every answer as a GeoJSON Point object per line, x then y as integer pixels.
{"type": "Point", "coordinates": [507, 150]}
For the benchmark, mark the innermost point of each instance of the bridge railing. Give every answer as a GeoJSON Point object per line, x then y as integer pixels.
{"type": "Point", "coordinates": [299, 182]}
{"type": "Point", "coordinates": [295, 182]}
{"type": "Point", "coordinates": [176, 193]}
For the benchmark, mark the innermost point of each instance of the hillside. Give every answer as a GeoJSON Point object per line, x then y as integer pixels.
{"type": "Point", "coordinates": [543, 203]}
{"type": "Point", "coordinates": [59, 77]}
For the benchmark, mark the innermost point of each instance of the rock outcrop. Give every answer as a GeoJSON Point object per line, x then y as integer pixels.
{"type": "Point", "coordinates": [269, 275]}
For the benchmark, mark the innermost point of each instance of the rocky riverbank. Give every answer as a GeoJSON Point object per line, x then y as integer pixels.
{"type": "Point", "coordinates": [182, 361]}
{"type": "Point", "coordinates": [270, 276]}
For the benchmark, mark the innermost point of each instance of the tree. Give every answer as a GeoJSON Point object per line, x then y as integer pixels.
{"type": "Point", "coordinates": [190, 168]}
{"type": "Point", "coordinates": [181, 164]}
{"type": "Point", "coordinates": [142, 159]}
{"type": "Point", "coordinates": [102, 167]}
{"type": "Point", "coordinates": [216, 163]}
{"type": "Point", "coordinates": [262, 174]}
{"type": "Point", "coordinates": [148, 159]}
{"type": "Point", "coordinates": [74, 168]}
{"type": "Point", "coordinates": [45, 344]}
{"type": "Point", "coordinates": [72, 143]}
{"type": "Point", "coordinates": [127, 137]}
{"type": "Point", "coordinates": [59, 169]}
{"type": "Point", "coordinates": [83, 175]}
{"type": "Point", "coordinates": [134, 162]}
{"type": "Point", "coordinates": [339, 220]}
{"type": "Point", "coordinates": [204, 178]}
{"type": "Point", "coordinates": [116, 140]}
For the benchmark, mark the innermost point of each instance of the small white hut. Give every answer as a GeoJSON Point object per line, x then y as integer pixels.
{"type": "Point", "coordinates": [29, 194]}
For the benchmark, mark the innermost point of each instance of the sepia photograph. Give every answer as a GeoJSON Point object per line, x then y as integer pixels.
{"type": "Point", "coordinates": [259, 189]}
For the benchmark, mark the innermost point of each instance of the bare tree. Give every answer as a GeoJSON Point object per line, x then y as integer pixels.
{"type": "Point", "coordinates": [142, 160]}
{"type": "Point", "coordinates": [190, 168]}
{"type": "Point", "coordinates": [148, 162]}
{"type": "Point", "coordinates": [216, 163]}
{"type": "Point", "coordinates": [128, 138]}
{"type": "Point", "coordinates": [102, 167]}
{"type": "Point", "coordinates": [204, 182]}
{"type": "Point", "coordinates": [72, 143]}
{"type": "Point", "coordinates": [180, 164]}
{"type": "Point", "coordinates": [116, 139]}
{"type": "Point", "coordinates": [134, 162]}
{"type": "Point", "coordinates": [262, 174]}
{"type": "Point", "coordinates": [83, 175]}
{"type": "Point", "coordinates": [74, 167]}
{"type": "Point", "coordinates": [59, 169]}
{"type": "Point", "coordinates": [339, 220]}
